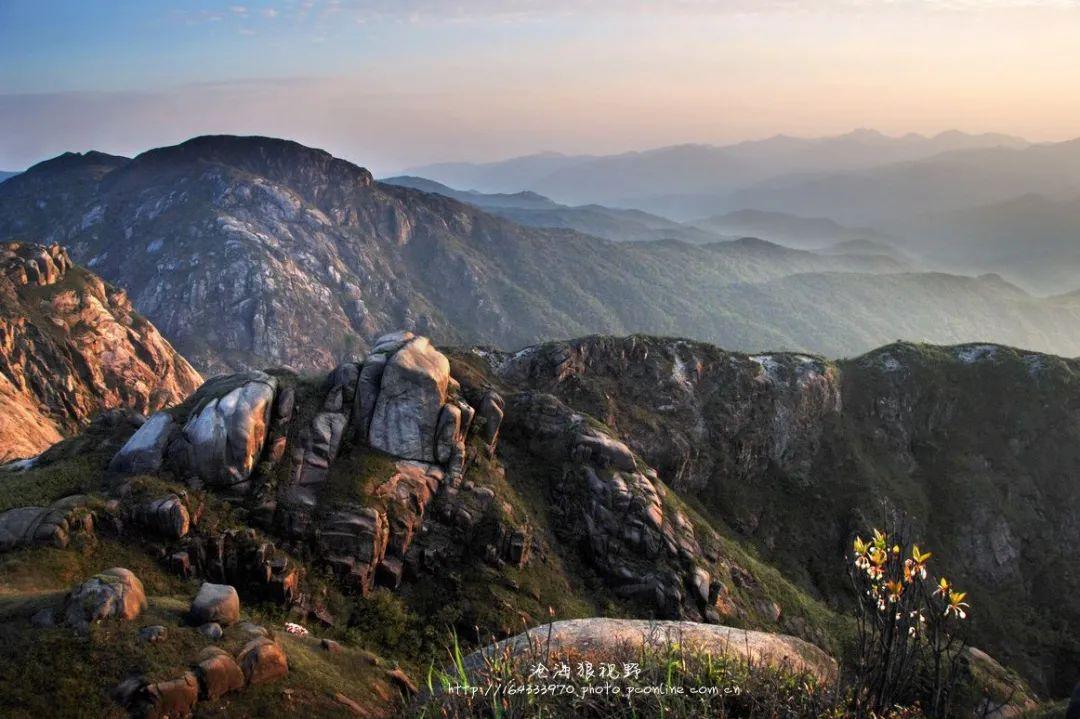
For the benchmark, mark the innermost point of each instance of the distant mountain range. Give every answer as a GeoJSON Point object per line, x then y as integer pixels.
{"type": "Point", "coordinates": [534, 210]}
{"type": "Point", "coordinates": [5, 175]}
{"type": "Point", "coordinates": [256, 251]}
{"type": "Point", "coordinates": [699, 169]}
{"type": "Point", "coordinates": [791, 230]}
{"type": "Point", "coordinates": [959, 202]}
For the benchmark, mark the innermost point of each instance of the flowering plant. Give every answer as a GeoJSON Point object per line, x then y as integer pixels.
{"type": "Point", "coordinates": [909, 639]}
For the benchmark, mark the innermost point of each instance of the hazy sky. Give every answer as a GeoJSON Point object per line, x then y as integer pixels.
{"type": "Point", "coordinates": [391, 83]}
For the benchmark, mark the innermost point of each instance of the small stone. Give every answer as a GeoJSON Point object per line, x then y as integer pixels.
{"type": "Point", "coordinates": [153, 634]}
{"type": "Point", "coordinates": [216, 603]}
{"type": "Point", "coordinates": [330, 645]}
{"type": "Point", "coordinates": [254, 630]}
{"type": "Point", "coordinates": [211, 630]}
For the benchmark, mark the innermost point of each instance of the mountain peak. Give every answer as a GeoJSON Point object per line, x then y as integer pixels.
{"type": "Point", "coordinates": [252, 153]}
{"type": "Point", "coordinates": [76, 160]}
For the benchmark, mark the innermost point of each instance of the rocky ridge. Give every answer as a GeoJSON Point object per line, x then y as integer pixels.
{"type": "Point", "coordinates": [70, 346]}
{"type": "Point", "coordinates": [548, 477]}
{"type": "Point", "coordinates": [970, 445]}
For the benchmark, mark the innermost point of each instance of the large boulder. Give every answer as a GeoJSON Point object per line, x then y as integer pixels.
{"type": "Point", "coordinates": [492, 408]}
{"type": "Point", "coordinates": [218, 673]}
{"type": "Point", "coordinates": [144, 450]}
{"type": "Point", "coordinates": [223, 437]}
{"type": "Point", "coordinates": [51, 526]}
{"type": "Point", "coordinates": [215, 603]}
{"type": "Point", "coordinates": [604, 638]}
{"type": "Point", "coordinates": [113, 594]}
{"type": "Point", "coordinates": [262, 660]}
{"type": "Point", "coordinates": [412, 393]}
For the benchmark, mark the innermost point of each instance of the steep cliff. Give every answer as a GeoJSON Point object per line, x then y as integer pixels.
{"type": "Point", "coordinates": [974, 445]}
{"type": "Point", "coordinates": [71, 346]}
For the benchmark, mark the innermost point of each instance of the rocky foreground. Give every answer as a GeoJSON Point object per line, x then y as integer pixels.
{"type": "Point", "coordinates": [483, 492]}
{"type": "Point", "coordinates": [401, 473]}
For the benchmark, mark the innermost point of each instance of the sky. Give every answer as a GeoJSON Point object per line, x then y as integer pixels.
{"type": "Point", "coordinates": [396, 83]}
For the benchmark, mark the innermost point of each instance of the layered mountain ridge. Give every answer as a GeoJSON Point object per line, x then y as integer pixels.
{"type": "Point", "coordinates": [220, 241]}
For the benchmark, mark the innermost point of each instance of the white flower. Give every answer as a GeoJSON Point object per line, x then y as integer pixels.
{"type": "Point", "coordinates": [296, 629]}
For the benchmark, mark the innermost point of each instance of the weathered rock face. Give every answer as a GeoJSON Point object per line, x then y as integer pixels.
{"type": "Point", "coordinates": [412, 392]}
{"type": "Point", "coordinates": [114, 594]}
{"type": "Point", "coordinates": [71, 346]}
{"type": "Point", "coordinates": [647, 551]}
{"type": "Point", "coordinates": [223, 438]}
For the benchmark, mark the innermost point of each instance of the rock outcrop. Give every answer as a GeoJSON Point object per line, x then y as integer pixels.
{"type": "Point", "coordinates": [646, 548]}
{"type": "Point", "coordinates": [412, 392]}
{"type": "Point", "coordinates": [70, 347]}
{"type": "Point", "coordinates": [401, 403]}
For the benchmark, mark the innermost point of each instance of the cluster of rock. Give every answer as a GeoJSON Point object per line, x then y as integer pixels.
{"type": "Point", "coordinates": [72, 347]}
{"type": "Point", "coordinates": [402, 402]}
{"type": "Point", "coordinates": [235, 432]}
{"type": "Point", "coordinates": [213, 674]}
{"type": "Point", "coordinates": [117, 594]}
{"type": "Point", "coordinates": [33, 264]}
